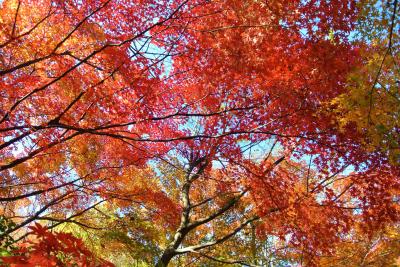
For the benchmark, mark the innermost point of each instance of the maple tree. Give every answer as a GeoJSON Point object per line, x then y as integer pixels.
{"type": "Point", "coordinates": [380, 249]}
{"type": "Point", "coordinates": [196, 132]}
{"type": "Point", "coordinates": [372, 101]}
{"type": "Point", "coordinates": [60, 249]}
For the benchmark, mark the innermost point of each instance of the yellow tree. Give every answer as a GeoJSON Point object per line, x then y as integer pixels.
{"type": "Point", "coordinates": [372, 99]}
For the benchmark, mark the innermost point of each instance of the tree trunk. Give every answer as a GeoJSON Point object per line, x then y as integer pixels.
{"type": "Point", "coordinates": [166, 257]}
{"type": "Point", "coordinates": [253, 243]}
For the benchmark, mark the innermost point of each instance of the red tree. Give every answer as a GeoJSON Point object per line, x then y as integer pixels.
{"type": "Point", "coordinates": [95, 92]}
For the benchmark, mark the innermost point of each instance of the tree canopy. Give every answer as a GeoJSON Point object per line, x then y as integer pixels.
{"type": "Point", "coordinates": [199, 133]}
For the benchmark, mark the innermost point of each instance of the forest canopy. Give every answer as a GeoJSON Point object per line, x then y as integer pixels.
{"type": "Point", "coordinates": [199, 133]}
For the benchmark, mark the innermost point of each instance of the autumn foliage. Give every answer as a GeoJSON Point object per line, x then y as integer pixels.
{"type": "Point", "coordinates": [52, 249]}
{"type": "Point", "coordinates": [200, 132]}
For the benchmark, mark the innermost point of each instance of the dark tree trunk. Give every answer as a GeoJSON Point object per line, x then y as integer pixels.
{"type": "Point", "coordinates": [166, 257]}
